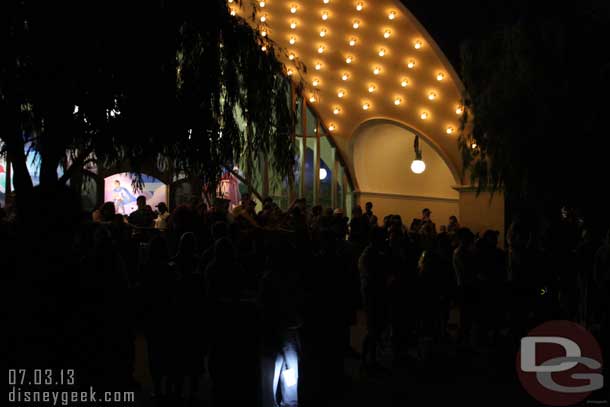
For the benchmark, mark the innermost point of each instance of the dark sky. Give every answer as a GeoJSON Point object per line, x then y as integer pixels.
{"type": "Point", "coordinates": [451, 22]}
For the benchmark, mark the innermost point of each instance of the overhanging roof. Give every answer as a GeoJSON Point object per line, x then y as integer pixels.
{"type": "Point", "coordinates": [367, 45]}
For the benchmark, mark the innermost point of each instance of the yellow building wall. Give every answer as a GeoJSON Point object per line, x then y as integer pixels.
{"type": "Point", "coordinates": [482, 212]}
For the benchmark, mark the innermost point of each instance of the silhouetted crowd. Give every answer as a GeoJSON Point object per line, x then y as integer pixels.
{"type": "Point", "coordinates": [267, 302]}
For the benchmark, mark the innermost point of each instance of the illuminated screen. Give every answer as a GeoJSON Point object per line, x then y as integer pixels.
{"type": "Point", "coordinates": [118, 189]}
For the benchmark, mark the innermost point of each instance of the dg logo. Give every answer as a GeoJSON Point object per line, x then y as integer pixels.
{"type": "Point", "coordinates": [559, 363]}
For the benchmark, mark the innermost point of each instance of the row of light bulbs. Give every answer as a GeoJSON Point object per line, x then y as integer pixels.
{"type": "Point", "coordinates": [418, 44]}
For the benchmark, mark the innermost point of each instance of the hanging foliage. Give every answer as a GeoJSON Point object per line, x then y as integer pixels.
{"type": "Point", "coordinates": [181, 82]}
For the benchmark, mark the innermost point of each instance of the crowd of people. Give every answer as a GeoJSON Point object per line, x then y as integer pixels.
{"type": "Point", "coordinates": [267, 299]}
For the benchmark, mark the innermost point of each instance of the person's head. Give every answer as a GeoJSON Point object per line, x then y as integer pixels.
{"type": "Point", "coordinates": [187, 245]}
{"type": "Point", "coordinates": [356, 211]}
{"type": "Point", "coordinates": [453, 220]}
{"type": "Point", "coordinates": [162, 207]}
{"type": "Point", "coordinates": [491, 238]}
{"type": "Point", "coordinates": [246, 199]}
{"type": "Point", "coordinates": [141, 202]}
{"type": "Point", "coordinates": [107, 211]}
{"type": "Point", "coordinates": [219, 230]}
{"type": "Point", "coordinates": [368, 206]}
{"type": "Point", "coordinates": [301, 203]}
{"type": "Point", "coordinates": [117, 183]}
{"type": "Point", "coordinates": [426, 213]}
{"type": "Point", "coordinates": [377, 236]}
{"type": "Point", "coordinates": [223, 249]}
{"type": "Point", "coordinates": [465, 238]}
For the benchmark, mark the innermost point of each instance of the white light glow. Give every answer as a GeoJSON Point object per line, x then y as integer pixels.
{"type": "Point", "coordinates": [323, 174]}
{"type": "Point", "coordinates": [418, 166]}
{"type": "Point", "coordinates": [289, 376]}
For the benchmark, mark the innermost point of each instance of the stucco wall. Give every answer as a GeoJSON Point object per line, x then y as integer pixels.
{"type": "Point", "coordinates": [480, 213]}
{"type": "Point", "coordinates": [382, 155]}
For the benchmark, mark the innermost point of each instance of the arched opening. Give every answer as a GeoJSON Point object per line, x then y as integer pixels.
{"type": "Point", "coordinates": [382, 152]}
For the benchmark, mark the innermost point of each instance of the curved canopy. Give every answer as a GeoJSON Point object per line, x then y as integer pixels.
{"type": "Point", "coordinates": [366, 59]}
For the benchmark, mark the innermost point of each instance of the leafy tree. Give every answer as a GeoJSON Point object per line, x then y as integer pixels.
{"type": "Point", "coordinates": [533, 108]}
{"type": "Point", "coordinates": [182, 82]}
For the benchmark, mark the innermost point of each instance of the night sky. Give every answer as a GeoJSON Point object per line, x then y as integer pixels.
{"type": "Point", "coordinates": [452, 22]}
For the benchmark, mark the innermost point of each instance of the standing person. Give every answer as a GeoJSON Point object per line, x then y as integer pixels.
{"type": "Point", "coordinates": [159, 286]}
{"type": "Point", "coordinates": [141, 217]}
{"type": "Point", "coordinates": [369, 215]}
{"type": "Point", "coordinates": [453, 225]}
{"type": "Point", "coordinates": [161, 221]}
{"type": "Point", "coordinates": [465, 276]}
{"type": "Point", "coordinates": [427, 230]}
{"type": "Point", "coordinates": [373, 266]}
{"type": "Point", "coordinates": [191, 348]}
{"type": "Point", "coordinates": [358, 229]}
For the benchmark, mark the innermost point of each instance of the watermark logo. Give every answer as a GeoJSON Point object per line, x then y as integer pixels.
{"type": "Point", "coordinates": [559, 363]}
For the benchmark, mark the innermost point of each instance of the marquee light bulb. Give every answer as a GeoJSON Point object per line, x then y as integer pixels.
{"type": "Point", "coordinates": [233, 12]}
{"type": "Point", "coordinates": [264, 48]}
{"type": "Point", "coordinates": [318, 66]}
{"type": "Point", "coordinates": [387, 34]}
{"type": "Point", "coordinates": [293, 9]}
{"type": "Point", "coordinates": [424, 115]}
{"type": "Point", "coordinates": [323, 32]}
{"type": "Point", "coordinates": [325, 15]}
{"type": "Point", "coordinates": [293, 25]}
{"type": "Point", "coordinates": [345, 76]}
{"type": "Point", "coordinates": [356, 24]}
{"type": "Point", "coordinates": [291, 56]}
{"type": "Point", "coordinates": [312, 99]}
{"type": "Point", "coordinates": [381, 52]}
{"type": "Point", "coordinates": [377, 70]}
{"type": "Point", "coordinates": [321, 49]}
{"type": "Point", "coordinates": [371, 88]}
{"type": "Point", "coordinates": [440, 76]}
{"type": "Point", "coordinates": [262, 4]}
{"type": "Point", "coordinates": [359, 6]}
{"type": "Point", "coordinates": [289, 72]}
{"type": "Point", "coordinates": [315, 82]}
{"type": "Point", "coordinates": [459, 110]}
{"type": "Point", "coordinates": [331, 127]}
{"type": "Point", "coordinates": [336, 110]}
{"type": "Point", "coordinates": [392, 15]}
{"type": "Point", "coordinates": [411, 64]}
{"type": "Point", "coordinates": [365, 106]}
{"type": "Point", "coordinates": [349, 59]}
{"type": "Point", "coordinates": [263, 18]}
{"type": "Point", "coordinates": [292, 40]}
{"type": "Point", "coordinates": [450, 130]}
{"type": "Point", "coordinates": [352, 42]}
{"type": "Point", "coordinates": [432, 96]}
{"type": "Point", "coordinates": [397, 101]}
{"type": "Point", "coordinates": [404, 83]}
{"type": "Point", "coordinates": [341, 93]}
{"type": "Point", "coordinates": [418, 44]}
